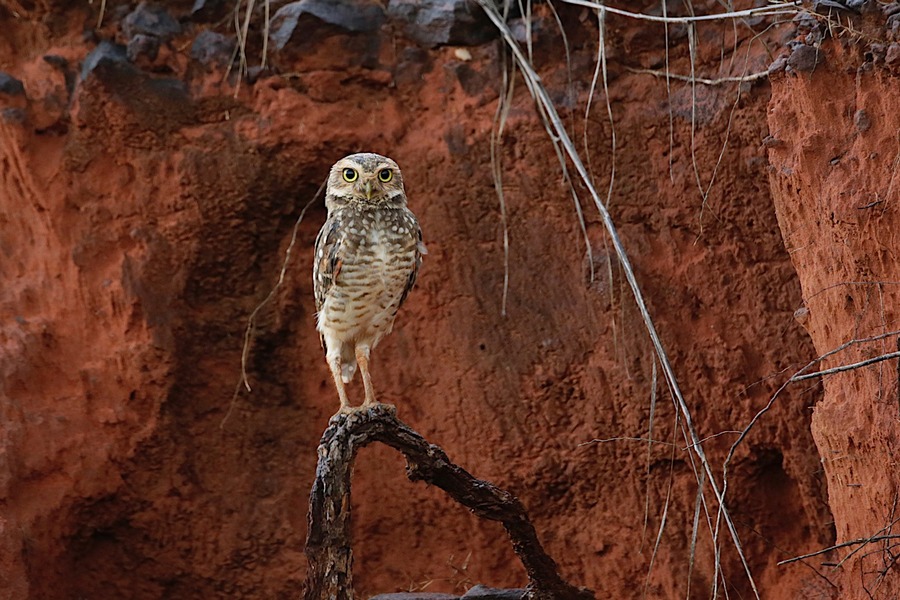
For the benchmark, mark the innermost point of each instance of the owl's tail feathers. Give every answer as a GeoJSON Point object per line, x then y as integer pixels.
{"type": "Point", "coordinates": [348, 371]}
{"type": "Point", "coordinates": [348, 363]}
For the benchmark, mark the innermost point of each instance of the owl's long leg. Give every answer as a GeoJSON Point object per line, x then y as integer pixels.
{"type": "Point", "coordinates": [339, 384]}
{"type": "Point", "coordinates": [333, 356]}
{"type": "Point", "coordinates": [362, 359]}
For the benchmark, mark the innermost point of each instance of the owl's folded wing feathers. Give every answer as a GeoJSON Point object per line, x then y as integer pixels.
{"type": "Point", "coordinates": [327, 264]}
{"type": "Point", "coordinates": [411, 281]}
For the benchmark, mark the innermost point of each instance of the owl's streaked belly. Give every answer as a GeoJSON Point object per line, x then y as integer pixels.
{"type": "Point", "coordinates": [364, 299]}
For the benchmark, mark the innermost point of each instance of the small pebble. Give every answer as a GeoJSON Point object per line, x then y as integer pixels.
{"type": "Point", "coordinates": [862, 121]}
{"type": "Point", "coordinates": [150, 19]}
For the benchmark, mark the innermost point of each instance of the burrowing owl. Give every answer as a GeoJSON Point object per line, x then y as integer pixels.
{"type": "Point", "coordinates": [367, 257]}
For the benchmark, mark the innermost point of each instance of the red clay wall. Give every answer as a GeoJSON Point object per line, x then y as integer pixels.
{"type": "Point", "coordinates": [141, 222]}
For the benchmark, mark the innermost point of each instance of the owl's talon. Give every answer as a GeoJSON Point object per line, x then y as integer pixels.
{"type": "Point", "coordinates": [347, 410]}
{"type": "Point", "coordinates": [380, 406]}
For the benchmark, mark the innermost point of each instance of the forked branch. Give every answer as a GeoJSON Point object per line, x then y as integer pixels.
{"type": "Point", "coordinates": [328, 546]}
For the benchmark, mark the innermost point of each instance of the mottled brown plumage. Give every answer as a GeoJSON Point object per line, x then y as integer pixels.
{"type": "Point", "coordinates": [367, 257]}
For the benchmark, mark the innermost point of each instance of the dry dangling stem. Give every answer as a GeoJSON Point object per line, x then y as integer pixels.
{"type": "Point", "coordinates": [328, 540]}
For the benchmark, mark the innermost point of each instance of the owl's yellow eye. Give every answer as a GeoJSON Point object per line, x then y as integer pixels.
{"type": "Point", "coordinates": [350, 175]}
{"type": "Point", "coordinates": [385, 175]}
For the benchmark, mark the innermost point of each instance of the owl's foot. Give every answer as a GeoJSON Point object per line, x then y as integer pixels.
{"type": "Point", "coordinates": [379, 406]}
{"type": "Point", "coordinates": [347, 409]}
{"type": "Point", "coordinates": [343, 412]}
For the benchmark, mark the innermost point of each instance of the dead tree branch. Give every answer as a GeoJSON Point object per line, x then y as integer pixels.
{"type": "Point", "coordinates": [328, 547]}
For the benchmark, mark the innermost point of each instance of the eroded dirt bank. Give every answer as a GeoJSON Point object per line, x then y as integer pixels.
{"type": "Point", "coordinates": [834, 155]}
{"type": "Point", "coordinates": [146, 211]}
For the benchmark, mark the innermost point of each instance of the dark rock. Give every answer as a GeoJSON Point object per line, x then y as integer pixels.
{"type": "Point", "coordinates": [875, 53]}
{"type": "Point", "coordinates": [771, 141]}
{"type": "Point", "coordinates": [11, 86]}
{"type": "Point", "coordinates": [481, 592]}
{"type": "Point", "coordinates": [862, 121]}
{"type": "Point", "coordinates": [805, 58]}
{"type": "Point", "coordinates": [254, 73]}
{"type": "Point", "coordinates": [522, 28]}
{"type": "Point", "coordinates": [893, 25]}
{"type": "Point", "coordinates": [413, 63]}
{"type": "Point", "coordinates": [150, 19]}
{"type": "Point", "coordinates": [805, 21]}
{"type": "Point", "coordinates": [106, 54]}
{"type": "Point", "coordinates": [211, 48]}
{"type": "Point", "coordinates": [414, 596]}
{"type": "Point", "coordinates": [456, 140]}
{"type": "Point", "coordinates": [892, 56]}
{"type": "Point", "coordinates": [471, 81]}
{"type": "Point", "coordinates": [13, 115]}
{"type": "Point", "coordinates": [814, 37]}
{"type": "Point", "coordinates": [119, 12]}
{"type": "Point", "coordinates": [778, 65]}
{"type": "Point", "coordinates": [55, 60]}
{"type": "Point", "coordinates": [566, 97]}
{"type": "Point", "coordinates": [442, 22]}
{"type": "Point", "coordinates": [142, 46]}
{"type": "Point", "coordinates": [206, 10]}
{"type": "Point", "coordinates": [90, 36]}
{"type": "Point", "coordinates": [70, 75]}
{"type": "Point", "coordinates": [351, 15]}
{"type": "Point", "coordinates": [167, 90]}
{"type": "Point", "coordinates": [823, 6]}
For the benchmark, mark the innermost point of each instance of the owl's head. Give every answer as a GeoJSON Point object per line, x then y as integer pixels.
{"type": "Point", "coordinates": [370, 179]}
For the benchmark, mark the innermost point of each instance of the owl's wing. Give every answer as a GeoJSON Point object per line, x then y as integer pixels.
{"type": "Point", "coordinates": [420, 251]}
{"type": "Point", "coordinates": [327, 263]}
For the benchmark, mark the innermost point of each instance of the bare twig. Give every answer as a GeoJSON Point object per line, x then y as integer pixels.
{"type": "Point", "coordinates": [849, 367]}
{"type": "Point", "coordinates": [870, 539]}
{"type": "Point", "coordinates": [695, 529]}
{"type": "Point", "coordinates": [777, 393]}
{"type": "Point", "coordinates": [503, 105]}
{"type": "Point", "coordinates": [703, 80]}
{"type": "Point", "coordinates": [625, 439]}
{"type": "Point", "coordinates": [861, 541]}
{"type": "Point", "coordinates": [665, 512]}
{"type": "Point", "coordinates": [102, 12]}
{"type": "Point", "coordinates": [654, 380]}
{"type": "Point", "coordinates": [670, 112]}
{"type": "Point", "coordinates": [785, 8]}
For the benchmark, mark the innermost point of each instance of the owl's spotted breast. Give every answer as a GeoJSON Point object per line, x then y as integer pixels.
{"type": "Point", "coordinates": [376, 255]}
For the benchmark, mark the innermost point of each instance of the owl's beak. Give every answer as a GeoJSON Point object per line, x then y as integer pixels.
{"type": "Point", "coordinates": [369, 190]}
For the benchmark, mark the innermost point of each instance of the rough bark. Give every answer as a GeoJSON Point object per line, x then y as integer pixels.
{"type": "Point", "coordinates": [328, 545]}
